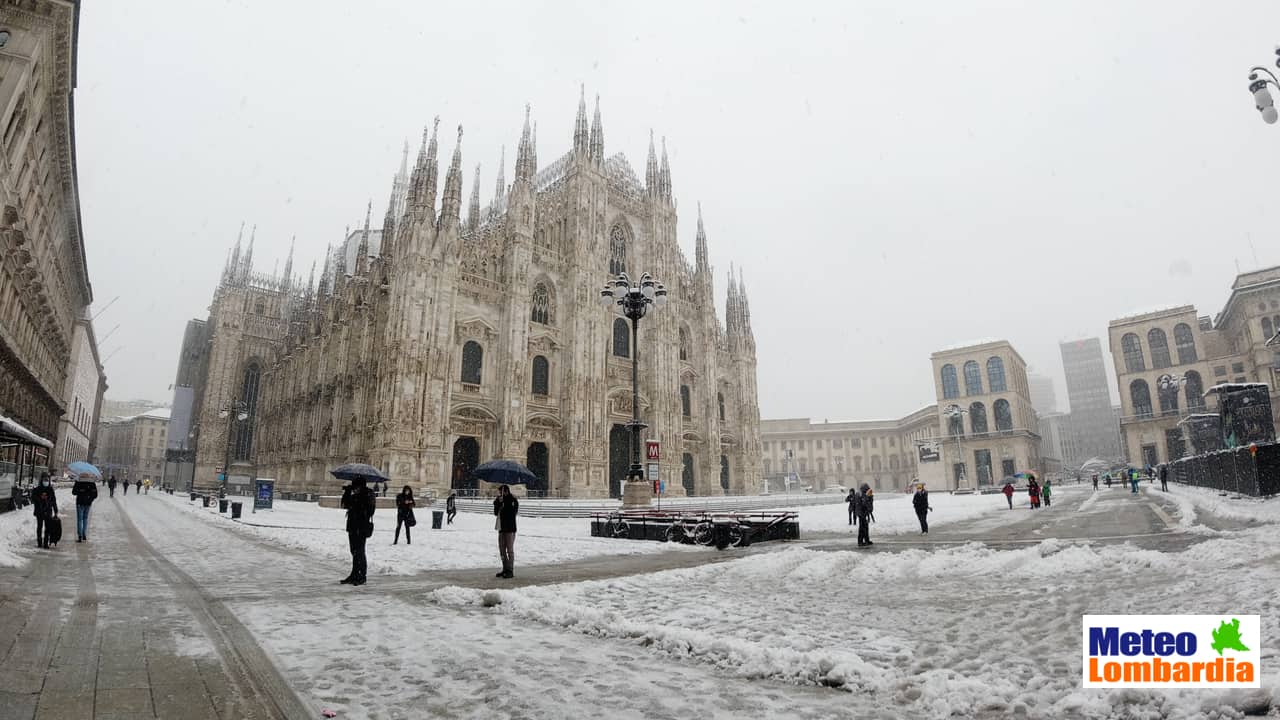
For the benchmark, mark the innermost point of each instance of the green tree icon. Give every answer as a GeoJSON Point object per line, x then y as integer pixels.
{"type": "Point", "coordinates": [1227, 637]}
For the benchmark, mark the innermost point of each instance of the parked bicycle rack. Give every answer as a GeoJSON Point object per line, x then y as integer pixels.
{"type": "Point", "coordinates": [721, 529]}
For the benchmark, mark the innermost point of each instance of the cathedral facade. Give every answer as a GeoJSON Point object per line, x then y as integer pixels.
{"type": "Point", "coordinates": [444, 341]}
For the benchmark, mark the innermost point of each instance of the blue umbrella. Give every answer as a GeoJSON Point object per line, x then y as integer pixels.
{"type": "Point", "coordinates": [80, 468]}
{"type": "Point", "coordinates": [351, 471]}
{"type": "Point", "coordinates": [504, 472]}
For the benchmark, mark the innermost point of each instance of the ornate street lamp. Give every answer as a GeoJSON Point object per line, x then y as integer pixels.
{"type": "Point", "coordinates": [633, 302]}
{"type": "Point", "coordinates": [955, 411]}
{"type": "Point", "coordinates": [235, 411]}
{"type": "Point", "coordinates": [1261, 95]}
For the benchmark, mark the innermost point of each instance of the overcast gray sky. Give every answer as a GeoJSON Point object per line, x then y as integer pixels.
{"type": "Point", "coordinates": [893, 176]}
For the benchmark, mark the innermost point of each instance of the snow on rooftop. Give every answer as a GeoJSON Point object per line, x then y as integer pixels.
{"type": "Point", "coordinates": [1152, 311]}
{"type": "Point", "coordinates": [158, 413]}
{"type": "Point", "coordinates": [970, 343]}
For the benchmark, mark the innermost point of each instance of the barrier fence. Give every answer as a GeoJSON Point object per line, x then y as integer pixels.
{"type": "Point", "coordinates": [1238, 470]}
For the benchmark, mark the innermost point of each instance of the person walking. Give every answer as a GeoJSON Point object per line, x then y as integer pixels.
{"type": "Point", "coordinates": [111, 486]}
{"type": "Point", "coordinates": [1133, 481]}
{"type": "Point", "coordinates": [1164, 477]}
{"type": "Point", "coordinates": [404, 515]}
{"type": "Point", "coordinates": [1108, 481]}
{"type": "Point", "coordinates": [451, 507]}
{"type": "Point", "coordinates": [921, 503]}
{"type": "Point", "coordinates": [124, 486]}
{"type": "Point", "coordinates": [1008, 493]}
{"type": "Point", "coordinates": [138, 486]}
{"type": "Point", "coordinates": [45, 506]}
{"type": "Point", "coordinates": [1095, 481]}
{"type": "Point", "coordinates": [852, 500]}
{"type": "Point", "coordinates": [146, 486]}
{"type": "Point", "coordinates": [358, 501]}
{"type": "Point", "coordinates": [866, 515]}
{"type": "Point", "coordinates": [506, 507]}
{"type": "Point", "coordinates": [1033, 492]}
{"type": "Point", "coordinates": [1046, 492]}
{"type": "Point", "coordinates": [85, 493]}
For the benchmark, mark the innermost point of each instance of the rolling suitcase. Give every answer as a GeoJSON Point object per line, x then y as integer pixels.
{"type": "Point", "coordinates": [53, 530]}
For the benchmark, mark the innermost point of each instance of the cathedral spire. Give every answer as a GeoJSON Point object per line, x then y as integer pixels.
{"type": "Point", "coordinates": [651, 169]}
{"type": "Point", "coordinates": [432, 169]}
{"type": "Point", "coordinates": [340, 264]}
{"type": "Point", "coordinates": [404, 161]}
{"type": "Point", "coordinates": [362, 250]}
{"type": "Point", "coordinates": [288, 265]}
{"type": "Point", "coordinates": [731, 315]}
{"type": "Point", "coordinates": [451, 202]}
{"type": "Point", "coordinates": [473, 211]}
{"type": "Point", "coordinates": [581, 141]}
{"type": "Point", "coordinates": [311, 280]}
{"type": "Point", "coordinates": [248, 255]}
{"type": "Point", "coordinates": [500, 191]}
{"type": "Point", "coordinates": [701, 245]}
{"type": "Point", "coordinates": [533, 152]}
{"type": "Point", "coordinates": [597, 136]}
{"type": "Point", "coordinates": [325, 286]}
{"type": "Point", "coordinates": [524, 154]}
{"type": "Point", "coordinates": [664, 174]}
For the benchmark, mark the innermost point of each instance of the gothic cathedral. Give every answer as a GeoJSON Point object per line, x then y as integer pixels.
{"type": "Point", "coordinates": [437, 342]}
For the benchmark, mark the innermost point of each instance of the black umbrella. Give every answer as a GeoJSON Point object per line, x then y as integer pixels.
{"type": "Point", "coordinates": [504, 472]}
{"type": "Point", "coordinates": [351, 471]}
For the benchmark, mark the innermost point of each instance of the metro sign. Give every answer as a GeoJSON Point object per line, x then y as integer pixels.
{"type": "Point", "coordinates": [651, 450]}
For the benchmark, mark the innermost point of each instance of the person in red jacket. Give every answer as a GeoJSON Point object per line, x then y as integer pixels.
{"type": "Point", "coordinates": [1008, 493]}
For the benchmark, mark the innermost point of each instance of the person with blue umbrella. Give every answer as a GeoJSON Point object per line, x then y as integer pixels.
{"type": "Point", "coordinates": [85, 492]}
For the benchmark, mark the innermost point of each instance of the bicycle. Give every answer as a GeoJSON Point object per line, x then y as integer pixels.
{"type": "Point", "coordinates": [617, 526]}
{"type": "Point", "coordinates": [689, 530]}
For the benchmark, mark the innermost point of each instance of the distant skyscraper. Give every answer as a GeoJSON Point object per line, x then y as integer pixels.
{"type": "Point", "coordinates": [1043, 398]}
{"type": "Point", "coordinates": [1093, 425]}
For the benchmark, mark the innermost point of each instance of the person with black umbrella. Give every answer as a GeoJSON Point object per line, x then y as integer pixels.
{"type": "Point", "coordinates": [358, 501]}
{"type": "Point", "coordinates": [505, 507]}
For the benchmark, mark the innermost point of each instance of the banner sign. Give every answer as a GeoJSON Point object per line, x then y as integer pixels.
{"type": "Point", "coordinates": [264, 494]}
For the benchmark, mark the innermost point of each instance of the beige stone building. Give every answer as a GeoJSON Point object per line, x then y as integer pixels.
{"type": "Point", "coordinates": [990, 429]}
{"type": "Point", "coordinates": [445, 341]}
{"type": "Point", "coordinates": [1191, 354]}
{"type": "Point", "coordinates": [44, 282]}
{"type": "Point", "coordinates": [880, 453]}
{"type": "Point", "coordinates": [82, 397]}
{"type": "Point", "coordinates": [133, 448]}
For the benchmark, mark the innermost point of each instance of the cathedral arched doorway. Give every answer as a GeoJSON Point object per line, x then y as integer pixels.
{"type": "Point", "coordinates": [537, 459]}
{"type": "Point", "coordinates": [619, 458]}
{"type": "Point", "coordinates": [466, 456]}
{"type": "Point", "coordinates": [686, 474]}
{"type": "Point", "coordinates": [724, 473]}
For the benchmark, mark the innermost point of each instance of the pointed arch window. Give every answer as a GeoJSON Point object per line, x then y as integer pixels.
{"type": "Point", "coordinates": [621, 338]}
{"type": "Point", "coordinates": [1132, 348]}
{"type": "Point", "coordinates": [720, 403]}
{"type": "Point", "coordinates": [1004, 417]}
{"type": "Point", "coordinates": [243, 437]}
{"type": "Point", "coordinates": [1195, 391]}
{"type": "Point", "coordinates": [978, 418]}
{"type": "Point", "coordinates": [684, 343]}
{"type": "Point", "coordinates": [686, 405]}
{"type": "Point", "coordinates": [617, 250]}
{"type": "Point", "coordinates": [1185, 341]}
{"type": "Point", "coordinates": [995, 375]}
{"type": "Point", "coordinates": [540, 310]}
{"type": "Point", "coordinates": [972, 378]}
{"type": "Point", "coordinates": [1159, 344]}
{"type": "Point", "coordinates": [1268, 330]}
{"type": "Point", "coordinates": [541, 375]}
{"type": "Point", "coordinates": [1140, 396]}
{"type": "Point", "coordinates": [472, 362]}
{"type": "Point", "coordinates": [724, 473]}
{"type": "Point", "coordinates": [950, 383]}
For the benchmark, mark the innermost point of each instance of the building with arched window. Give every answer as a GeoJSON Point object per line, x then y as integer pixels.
{"type": "Point", "coordinates": [457, 333]}
{"type": "Point", "coordinates": [1001, 432]}
{"type": "Point", "coordinates": [1189, 355]}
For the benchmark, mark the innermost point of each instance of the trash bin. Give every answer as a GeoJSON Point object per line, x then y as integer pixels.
{"type": "Point", "coordinates": [193, 497]}
{"type": "Point", "coordinates": [235, 510]}
{"type": "Point", "coordinates": [437, 519]}
{"type": "Point", "coordinates": [222, 505]}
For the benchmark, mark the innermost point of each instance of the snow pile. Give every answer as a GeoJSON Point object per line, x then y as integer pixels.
{"type": "Point", "coordinates": [1244, 507]}
{"type": "Point", "coordinates": [469, 542]}
{"type": "Point", "coordinates": [17, 530]}
{"type": "Point", "coordinates": [958, 632]}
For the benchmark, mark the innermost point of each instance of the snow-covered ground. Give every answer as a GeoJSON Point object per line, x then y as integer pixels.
{"type": "Point", "coordinates": [1236, 507]}
{"type": "Point", "coordinates": [18, 527]}
{"type": "Point", "coordinates": [470, 542]}
{"type": "Point", "coordinates": [895, 515]}
{"type": "Point", "coordinates": [965, 631]}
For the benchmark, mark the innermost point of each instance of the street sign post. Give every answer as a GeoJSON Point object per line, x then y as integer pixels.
{"type": "Point", "coordinates": [652, 450]}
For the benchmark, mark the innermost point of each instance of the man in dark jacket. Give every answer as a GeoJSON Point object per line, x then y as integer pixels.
{"type": "Point", "coordinates": [506, 506]}
{"type": "Point", "coordinates": [451, 507]}
{"type": "Point", "coordinates": [1164, 478]}
{"type": "Point", "coordinates": [358, 500]}
{"type": "Point", "coordinates": [866, 514]}
{"type": "Point", "coordinates": [111, 486]}
{"type": "Point", "coordinates": [920, 501]}
{"type": "Point", "coordinates": [85, 493]}
{"type": "Point", "coordinates": [852, 500]}
{"type": "Point", "coordinates": [46, 506]}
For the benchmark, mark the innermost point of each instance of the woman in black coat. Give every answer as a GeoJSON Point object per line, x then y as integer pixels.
{"type": "Point", "coordinates": [404, 515]}
{"type": "Point", "coordinates": [920, 501]}
{"type": "Point", "coordinates": [358, 500]}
